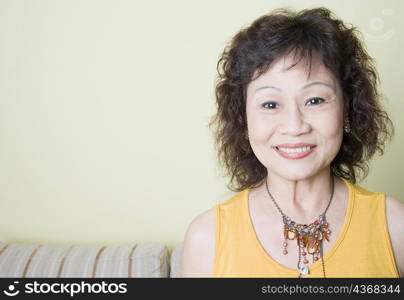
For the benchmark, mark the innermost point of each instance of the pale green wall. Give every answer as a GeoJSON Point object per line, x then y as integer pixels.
{"type": "Point", "coordinates": [104, 107]}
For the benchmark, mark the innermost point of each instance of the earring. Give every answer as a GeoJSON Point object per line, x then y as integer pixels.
{"type": "Point", "coordinates": [347, 128]}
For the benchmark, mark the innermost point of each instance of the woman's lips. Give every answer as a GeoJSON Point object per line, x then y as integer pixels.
{"type": "Point", "coordinates": [294, 155]}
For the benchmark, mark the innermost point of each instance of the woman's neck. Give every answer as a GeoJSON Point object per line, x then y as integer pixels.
{"type": "Point", "coordinates": [302, 200]}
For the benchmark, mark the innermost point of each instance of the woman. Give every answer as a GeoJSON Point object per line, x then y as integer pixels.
{"type": "Point", "coordinates": [298, 117]}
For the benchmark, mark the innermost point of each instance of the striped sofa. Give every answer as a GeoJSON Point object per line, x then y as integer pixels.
{"type": "Point", "coordinates": [53, 261]}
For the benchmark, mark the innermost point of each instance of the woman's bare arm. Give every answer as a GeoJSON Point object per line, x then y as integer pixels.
{"type": "Point", "coordinates": [395, 220]}
{"type": "Point", "coordinates": [199, 246]}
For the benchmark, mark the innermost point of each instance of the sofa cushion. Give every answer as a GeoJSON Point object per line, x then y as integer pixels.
{"type": "Point", "coordinates": [32, 260]}
{"type": "Point", "coordinates": [175, 261]}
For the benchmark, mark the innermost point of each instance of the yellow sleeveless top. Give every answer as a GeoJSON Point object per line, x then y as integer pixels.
{"type": "Point", "coordinates": [362, 249]}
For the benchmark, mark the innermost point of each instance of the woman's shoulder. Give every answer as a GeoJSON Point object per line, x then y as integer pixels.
{"type": "Point", "coordinates": [395, 221]}
{"type": "Point", "coordinates": [234, 200]}
{"type": "Point", "coordinates": [394, 211]}
{"type": "Point", "coordinates": [198, 246]}
{"type": "Point", "coordinates": [202, 227]}
{"type": "Point", "coordinates": [203, 222]}
{"type": "Point", "coordinates": [361, 191]}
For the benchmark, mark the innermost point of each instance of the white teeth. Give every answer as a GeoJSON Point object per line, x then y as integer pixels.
{"type": "Point", "coordinates": [294, 150]}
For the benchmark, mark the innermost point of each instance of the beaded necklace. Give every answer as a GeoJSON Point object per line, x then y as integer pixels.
{"type": "Point", "coordinates": [309, 237]}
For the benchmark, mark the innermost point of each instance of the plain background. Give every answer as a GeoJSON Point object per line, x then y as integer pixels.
{"type": "Point", "coordinates": [104, 107]}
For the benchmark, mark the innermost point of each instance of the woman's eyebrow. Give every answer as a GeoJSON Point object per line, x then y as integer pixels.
{"type": "Point", "coordinates": [303, 87]}
{"type": "Point", "coordinates": [268, 87]}
{"type": "Point", "coordinates": [318, 82]}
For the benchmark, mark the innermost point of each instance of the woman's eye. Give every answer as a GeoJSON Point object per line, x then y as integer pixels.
{"type": "Point", "coordinates": [315, 100]}
{"type": "Point", "coordinates": [269, 105]}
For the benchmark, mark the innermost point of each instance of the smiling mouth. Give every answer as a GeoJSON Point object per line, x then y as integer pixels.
{"type": "Point", "coordinates": [294, 153]}
{"type": "Point", "coordinates": [295, 150]}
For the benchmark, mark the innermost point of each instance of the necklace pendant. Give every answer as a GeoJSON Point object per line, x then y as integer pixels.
{"type": "Point", "coordinates": [304, 270]}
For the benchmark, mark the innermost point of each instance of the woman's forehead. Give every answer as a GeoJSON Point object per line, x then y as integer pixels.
{"type": "Point", "coordinates": [284, 70]}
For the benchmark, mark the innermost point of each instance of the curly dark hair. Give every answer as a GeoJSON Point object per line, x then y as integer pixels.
{"type": "Point", "coordinates": [306, 33]}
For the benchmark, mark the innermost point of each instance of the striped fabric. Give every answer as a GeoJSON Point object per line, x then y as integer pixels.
{"type": "Point", "coordinates": [138, 260]}
{"type": "Point", "coordinates": [175, 261]}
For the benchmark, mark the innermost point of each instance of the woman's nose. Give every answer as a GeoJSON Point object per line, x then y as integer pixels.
{"type": "Point", "coordinates": [294, 122]}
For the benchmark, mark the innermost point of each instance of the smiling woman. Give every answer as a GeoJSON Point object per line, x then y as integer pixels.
{"type": "Point", "coordinates": [298, 118]}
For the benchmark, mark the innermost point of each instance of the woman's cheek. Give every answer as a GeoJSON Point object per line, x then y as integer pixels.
{"type": "Point", "coordinates": [260, 131]}
{"type": "Point", "coordinates": [330, 123]}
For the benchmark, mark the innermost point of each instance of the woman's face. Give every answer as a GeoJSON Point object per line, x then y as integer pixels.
{"type": "Point", "coordinates": [285, 108]}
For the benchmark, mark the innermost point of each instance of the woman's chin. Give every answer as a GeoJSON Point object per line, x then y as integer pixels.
{"type": "Point", "coordinates": [294, 174]}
